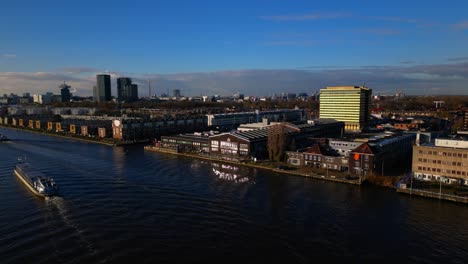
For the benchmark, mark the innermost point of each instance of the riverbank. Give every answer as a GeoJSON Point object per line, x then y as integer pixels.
{"type": "Point", "coordinates": [60, 136]}
{"type": "Point", "coordinates": [434, 195]}
{"type": "Point", "coordinates": [255, 165]}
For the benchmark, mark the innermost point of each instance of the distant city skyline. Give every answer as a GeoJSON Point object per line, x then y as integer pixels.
{"type": "Point", "coordinates": [251, 47]}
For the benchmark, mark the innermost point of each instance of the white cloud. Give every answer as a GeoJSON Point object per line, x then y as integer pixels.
{"type": "Point", "coordinates": [9, 55]}
{"type": "Point", "coordinates": [450, 78]}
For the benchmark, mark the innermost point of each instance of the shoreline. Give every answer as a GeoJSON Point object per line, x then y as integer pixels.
{"type": "Point", "coordinates": [415, 192]}
{"type": "Point", "coordinates": [60, 136]}
{"type": "Point", "coordinates": [256, 166]}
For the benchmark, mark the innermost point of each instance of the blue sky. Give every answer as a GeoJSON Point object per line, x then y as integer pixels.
{"type": "Point", "coordinates": [76, 39]}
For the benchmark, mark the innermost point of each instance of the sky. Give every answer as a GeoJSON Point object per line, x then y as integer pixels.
{"type": "Point", "coordinates": [222, 47]}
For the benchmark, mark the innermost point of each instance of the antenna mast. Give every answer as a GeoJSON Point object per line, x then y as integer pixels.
{"type": "Point", "coordinates": [149, 88]}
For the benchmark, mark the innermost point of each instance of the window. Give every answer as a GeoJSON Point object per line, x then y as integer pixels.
{"type": "Point", "coordinates": [430, 152]}
{"type": "Point", "coordinates": [244, 147]}
{"type": "Point", "coordinates": [450, 154]}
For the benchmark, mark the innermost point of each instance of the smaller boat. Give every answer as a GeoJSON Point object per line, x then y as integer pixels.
{"type": "Point", "coordinates": [35, 180]}
{"type": "Point", "coordinates": [3, 138]}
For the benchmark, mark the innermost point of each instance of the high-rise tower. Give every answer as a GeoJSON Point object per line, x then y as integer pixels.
{"type": "Point", "coordinates": [65, 92]}
{"type": "Point", "coordinates": [102, 90]}
{"type": "Point", "coordinates": [350, 104]}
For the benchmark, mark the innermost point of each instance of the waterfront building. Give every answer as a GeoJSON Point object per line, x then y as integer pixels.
{"type": "Point", "coordinates": [381, 154]}
{"type": "Point", "coordinates": [375, 154]}
{"type": "Point", "coordinates": [145, 129]}
{"type": "Point", "coordinates": [65, 92]}
{"type": "Point", "coordinates": [249, 144]}
{"type": "Point", "coordinates": [350, 104]}
{"type": "Point", "coordinates": [319, 156]}
{"type": "Point", "coordinates": [102, 90]}
{"type": "Point", "coordinates": [446, 161]}
{"type": "Point", "coordinates": [187, 143]}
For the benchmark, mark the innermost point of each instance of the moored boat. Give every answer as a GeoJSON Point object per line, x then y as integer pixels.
{"type": "Point", "coordinates": [35, 180]}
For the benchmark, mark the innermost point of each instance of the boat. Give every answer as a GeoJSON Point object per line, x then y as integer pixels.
{"type": "Point", "coordinates": [35, 180]}
{"type": "Point", "coordinates": [3, 138]}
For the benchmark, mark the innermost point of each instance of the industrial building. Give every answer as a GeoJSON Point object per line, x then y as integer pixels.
{"type": "Point", "coordinates": [254, 143]}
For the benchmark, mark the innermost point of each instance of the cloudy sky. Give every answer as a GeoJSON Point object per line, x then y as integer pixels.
{"type": "Point", "coordinates": [223, 47]}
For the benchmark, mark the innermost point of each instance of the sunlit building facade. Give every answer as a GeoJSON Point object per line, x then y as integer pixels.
{"type": "Point", "coordinates": [349, 104]}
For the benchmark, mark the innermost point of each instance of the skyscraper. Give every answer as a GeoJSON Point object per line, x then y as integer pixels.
{"type": "Point", "coordinates": [126, 91]}
{"type": "Point", "coordinates": [134, 92]}
{"type": "Point", "coordinates": [350, 104]}
{"type": "Point", "coordinates": [177, 93]}
{"type": "Point", "coordinates": [123, 88]}
{"type": "Point", "coordinates": [102, 90]}
{"type": "Point", "coordinates": [65, 92]}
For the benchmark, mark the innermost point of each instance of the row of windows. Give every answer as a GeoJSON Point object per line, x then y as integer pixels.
{"type": "Point", "coordinates": [229, 145]}
{"type": "Point", "coordinates": [312, 157]}
{"type": "Point", "coordinates": [454, 172]}
{"type": "Point", "coordinates": [357, 164]}
{"type": "Point", "coordinates": [444, 153]}
{"type": "Point", "coordinates": [443, 162]}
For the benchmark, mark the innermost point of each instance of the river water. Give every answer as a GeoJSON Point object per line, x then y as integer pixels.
{"type": "Point", "coordinates": [123, 204]}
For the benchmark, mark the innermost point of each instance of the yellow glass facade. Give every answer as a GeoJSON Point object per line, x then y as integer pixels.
{"type": "Point", "coordinates": [350, 104]}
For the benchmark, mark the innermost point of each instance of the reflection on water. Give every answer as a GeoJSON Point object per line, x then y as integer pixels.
{"type": "Point", "coordinates": [118, 155]}
{"type": "Point", "coordinates": [232, 173]}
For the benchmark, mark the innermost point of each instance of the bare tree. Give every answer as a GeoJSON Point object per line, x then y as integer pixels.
{"type": "Point", "coordinates": [276, 142]}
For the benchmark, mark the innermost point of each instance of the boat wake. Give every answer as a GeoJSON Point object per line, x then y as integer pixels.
{"type": "Point", "coordinates": [58, 205]}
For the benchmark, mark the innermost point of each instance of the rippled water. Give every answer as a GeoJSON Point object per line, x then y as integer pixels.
{"type": "Point", "coordinates": [118, 205]}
